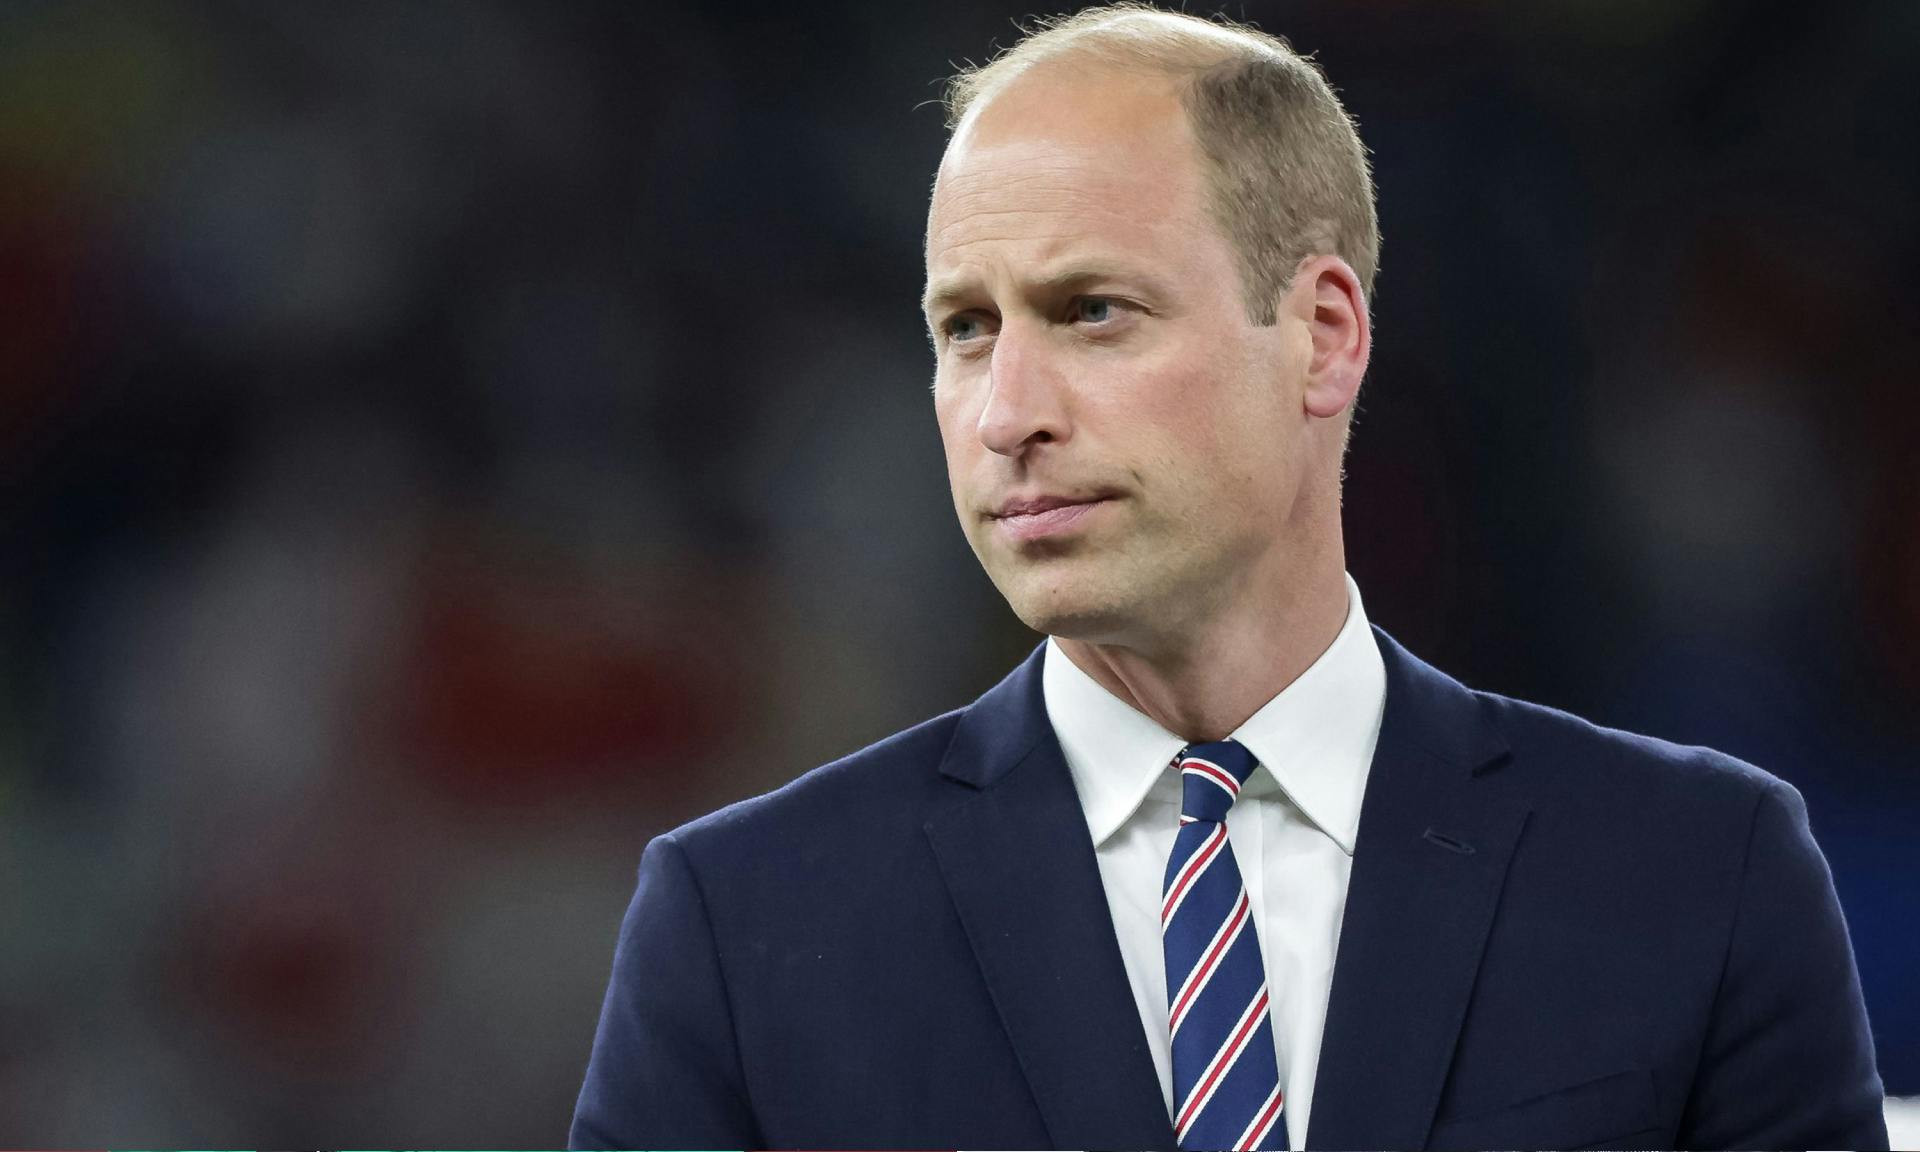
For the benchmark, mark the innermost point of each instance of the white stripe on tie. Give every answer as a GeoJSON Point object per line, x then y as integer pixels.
{"type": "Point", "coordinates": [1222, 1062]}
{"type": "Point", "coordinates": [1189, 878]}
{"type": "Point", "coordinates": [1210, 961]}
{"type": "Point", "coordinates": [1262, 1122]}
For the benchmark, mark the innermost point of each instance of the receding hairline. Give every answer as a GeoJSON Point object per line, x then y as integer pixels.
{"type": "Point", "coordinates": [1127, 38]}
{"type": "Point", "coordinates": [1287, 173]}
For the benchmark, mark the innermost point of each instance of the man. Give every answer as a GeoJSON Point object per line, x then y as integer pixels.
{"type": "Point", "coordinates": [1219, 865]}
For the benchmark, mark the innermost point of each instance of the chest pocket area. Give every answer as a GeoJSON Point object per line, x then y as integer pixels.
{"type": "Point", "coordinates": [1599, 1111]}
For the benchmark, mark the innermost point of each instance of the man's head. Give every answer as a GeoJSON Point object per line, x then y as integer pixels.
{"type": "Point", "coordinates": [1148, 255]}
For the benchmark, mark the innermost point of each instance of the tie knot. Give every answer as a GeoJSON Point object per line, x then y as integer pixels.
{"type": "Point", "coordinates": [1211, 776]}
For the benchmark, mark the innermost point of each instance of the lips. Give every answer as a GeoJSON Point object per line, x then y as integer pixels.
{"type": "Point", "coordinates": [1039, 504]}
{"type": "Point", "coordinates": [1037, 517]}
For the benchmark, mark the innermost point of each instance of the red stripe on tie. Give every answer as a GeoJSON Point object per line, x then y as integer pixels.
{"type": "Point", "coordinates": [1198, 979]}
{"type": "Point", "coordinates": [1214, 773]}
{"type": "Point", "coordinates": [1209, 848]}
{"type": "Point", "coordinates": [1222, 1060]}
{"type": "Point", "coordinates": [1262, 1123]}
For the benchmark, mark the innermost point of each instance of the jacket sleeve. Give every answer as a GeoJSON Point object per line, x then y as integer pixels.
{"type": "Point", "coordinates": [665, 1070]}
{"type": "Point", "coordinates": [1788, 1058]}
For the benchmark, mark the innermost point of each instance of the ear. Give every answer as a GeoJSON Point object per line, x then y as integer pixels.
{"type": "Point", "coordinates": [1326, 295]}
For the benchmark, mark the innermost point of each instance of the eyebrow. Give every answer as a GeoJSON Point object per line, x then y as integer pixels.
{"type": "Point", "coordinates": [1057, 283]}
{"type": "Point", "coordinates": [951, 292]}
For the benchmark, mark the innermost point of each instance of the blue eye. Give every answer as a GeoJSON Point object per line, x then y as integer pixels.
{"type": "Point", "coordinates": [963, 327]}
{"type": "Point", "coordinates": [1093, 309]}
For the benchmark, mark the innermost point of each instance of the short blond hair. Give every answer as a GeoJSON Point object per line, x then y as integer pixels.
{"type": "Point", "coordinates": [1287, 175]}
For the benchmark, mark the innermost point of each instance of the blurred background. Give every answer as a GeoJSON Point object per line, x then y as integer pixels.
{"type": "Point", "coordinates": [444, 444]}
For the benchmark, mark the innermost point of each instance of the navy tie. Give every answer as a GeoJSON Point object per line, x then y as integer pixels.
{"type": "Point", "coordinates": [1226, 1078]}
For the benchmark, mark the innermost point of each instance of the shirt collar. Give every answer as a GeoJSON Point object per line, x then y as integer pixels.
{"type": "Point", "coordinates": [1314, 740]}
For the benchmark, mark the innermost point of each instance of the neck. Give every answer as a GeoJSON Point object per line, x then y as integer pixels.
{"type": "Point", "coordinates": [1226, 667]}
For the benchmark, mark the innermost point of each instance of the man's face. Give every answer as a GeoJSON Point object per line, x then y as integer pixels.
{"type": "Point", "coordinates": [1127, 451]}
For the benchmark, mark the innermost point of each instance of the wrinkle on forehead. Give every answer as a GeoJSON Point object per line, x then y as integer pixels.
{"type": "Point", "coordinates": [987, 203]}
{"type": "Point", "coordinates": [1044, 193]}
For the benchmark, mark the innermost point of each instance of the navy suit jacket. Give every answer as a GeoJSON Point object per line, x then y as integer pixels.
{"type": "Point", "coordinates": [1555, 935]}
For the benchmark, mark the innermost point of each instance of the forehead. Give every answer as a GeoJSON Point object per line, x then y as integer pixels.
{"type": "Point", "coordinates": [1064, 163]}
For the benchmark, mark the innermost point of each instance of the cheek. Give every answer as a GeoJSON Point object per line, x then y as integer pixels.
{"type": "Point", "coordinates": [1187, 413]}
{"type": "Point", "coordinates": [959, 440]}
{"type": "Point", "coordinates": [946, 412]}
{"type": "Point", "coordinates": [1207, 434]}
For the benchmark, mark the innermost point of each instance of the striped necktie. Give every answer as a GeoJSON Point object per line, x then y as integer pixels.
{"type": "Point", "coordinates": [1226, 1079]}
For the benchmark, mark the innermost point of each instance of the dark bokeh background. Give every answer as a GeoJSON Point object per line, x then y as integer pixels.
{"type": "Point", "coordinates": [442, 445]}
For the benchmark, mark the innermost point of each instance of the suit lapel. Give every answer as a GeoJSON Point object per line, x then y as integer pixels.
{"type": "Point", "coordinates": [1429, 863]}
{"type": "Point", "coordinates": [1019, 863]}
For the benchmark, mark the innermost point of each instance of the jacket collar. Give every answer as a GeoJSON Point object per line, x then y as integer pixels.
{"type": "Point", "coordinates": [1019, 865]}
{"type": "Point", "coordinates": [1436, 835]}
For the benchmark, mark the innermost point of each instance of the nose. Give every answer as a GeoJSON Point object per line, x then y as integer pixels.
{"type": "Point", "coordinates": [1026, 397]}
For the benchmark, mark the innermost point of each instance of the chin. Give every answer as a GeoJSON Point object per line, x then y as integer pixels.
{"type": "Point", "coordinates": [1068, 608]}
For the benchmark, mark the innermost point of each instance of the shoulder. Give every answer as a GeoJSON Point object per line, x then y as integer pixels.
{"type": "Point", "coordinates": [1641, 802]}
{"type": "Point", "coordinates": [887, 779]}
{"type": "Point", "coordinates": [1549, 755]}
{"type": "Point", "coordinates": [1593, 756]}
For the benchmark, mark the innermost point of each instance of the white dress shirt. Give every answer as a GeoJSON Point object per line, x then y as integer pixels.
{"type": "Point", "coordinates": [1292, 832]}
